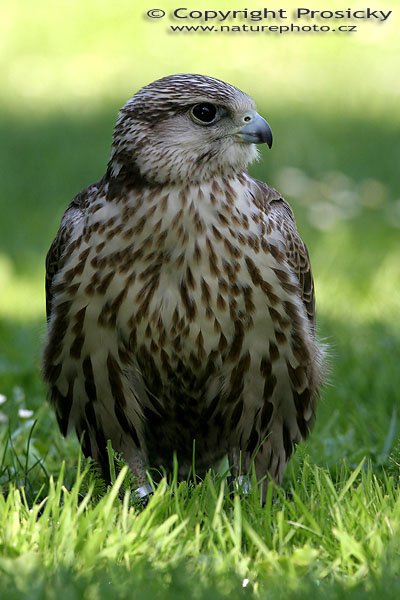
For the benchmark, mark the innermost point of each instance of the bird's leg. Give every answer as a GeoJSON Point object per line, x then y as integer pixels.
{"type": "Point", "coordinates": [137, 464]}
{"type": "Point", "coordinates": [239, 463]}
{"type": "Point", "coordinates": [269, 464]}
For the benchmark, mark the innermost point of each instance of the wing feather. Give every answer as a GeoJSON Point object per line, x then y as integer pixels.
{"type": "Point", "coordinates": [59, 247]}
{"type": "Point", "coordinates": [281, 218]}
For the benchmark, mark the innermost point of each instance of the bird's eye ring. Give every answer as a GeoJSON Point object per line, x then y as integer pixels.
{"type": "Point", "coordinates": [204, 113]}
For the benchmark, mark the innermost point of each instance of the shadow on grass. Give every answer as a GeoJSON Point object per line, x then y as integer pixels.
{"type": "Point", "coordinates": [358, 414]}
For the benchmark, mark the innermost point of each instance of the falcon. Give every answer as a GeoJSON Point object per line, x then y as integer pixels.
{"type": "Point", "coordinates": [180, 297]}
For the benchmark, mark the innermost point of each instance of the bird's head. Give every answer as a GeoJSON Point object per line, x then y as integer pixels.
{"type": "Point", "coordinates": [186, 128]}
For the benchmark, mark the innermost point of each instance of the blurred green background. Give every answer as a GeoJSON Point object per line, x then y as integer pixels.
{"type": "Point", "coordinates": [333, 103]}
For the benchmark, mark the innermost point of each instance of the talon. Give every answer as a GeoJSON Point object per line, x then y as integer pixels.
{"type": "Point", "coordinates": [143, 493]}
{"type": "Point", "coordinates": [239, 484]}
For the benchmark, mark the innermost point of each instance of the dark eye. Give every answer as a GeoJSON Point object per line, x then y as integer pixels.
{"type": "Point", "coordinates": [205, 112]}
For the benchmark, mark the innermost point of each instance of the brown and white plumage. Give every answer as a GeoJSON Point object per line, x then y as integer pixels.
{"type": "Point", "coordinates": [180, 296]}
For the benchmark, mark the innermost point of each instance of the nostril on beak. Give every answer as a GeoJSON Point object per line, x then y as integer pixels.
{"type": "Point", "coordinates": [255, 130]}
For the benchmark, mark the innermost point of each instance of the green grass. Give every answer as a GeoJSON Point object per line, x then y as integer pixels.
{"type": "Point", "coordinates": [333, 530]}
{"type": "Point", "coordinates": [322, 538]}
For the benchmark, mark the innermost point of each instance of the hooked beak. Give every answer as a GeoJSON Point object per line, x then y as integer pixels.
{"type": "Point", "coordinates": [256, 130]}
